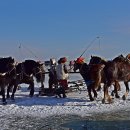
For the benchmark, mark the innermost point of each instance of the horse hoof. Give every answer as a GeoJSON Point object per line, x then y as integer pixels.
{"type": "Point", "coordinates": [95, 98]}
{"type": "Point", "coordinates": [110, 100]}
{"type": "Point", "coordinates": [12, 98]}
{"type": "Point", "coordinates": [124, 98]}
{"type": "Point", "coordinates": [4, 103]}
{"type": "Point", "coordinates": [64, 96]}
{"type": "Point", "coordinates": [103, 101]}
{"type": "Point", "coordinates": [117, 96]}
{"type": "Point", "coordinates": [112, 94]}
{"type": "Point", "coordinates": [56, 96]}
{"type": "Point", "coordinates": [29, 88]}
{"type": "Point", "coordinates": [91, 99]}
{"type": "Point", "coordinates": [8, 97]}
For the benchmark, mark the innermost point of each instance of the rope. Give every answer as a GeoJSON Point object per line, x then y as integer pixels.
{"type": "Point", "coordinates": [30, 51]}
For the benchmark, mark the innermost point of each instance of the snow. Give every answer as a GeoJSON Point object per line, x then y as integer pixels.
{"type": "Point", "coordinates": [76, 103]}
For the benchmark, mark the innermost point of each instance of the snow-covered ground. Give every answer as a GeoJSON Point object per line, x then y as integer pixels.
{"type": "Point", "coordinates": [75, 103]}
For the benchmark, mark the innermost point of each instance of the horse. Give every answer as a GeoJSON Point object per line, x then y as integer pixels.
{"type": "Point", "coordinates": [7, 73]}
{"type": "Point", "coordinates": [92, 76]}
{"type": "Point", "coordinates": [25, 71]}
{"type": "Point", "coordinates": [117, 70]}
{"type": "Point", "coordinates": [4, 62]}
{"type": "Point", "coordinates": [99, 60]}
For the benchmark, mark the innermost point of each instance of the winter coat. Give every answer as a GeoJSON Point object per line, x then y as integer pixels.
{"type": "Point", "coordinates": [61, 72]}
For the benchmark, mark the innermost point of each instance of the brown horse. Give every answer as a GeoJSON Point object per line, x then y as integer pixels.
{"type": "Point", "coordinates": [5, 79]}
{"type": "Point", "coordinates": [99, 60]}
{"type": "Point", "coordinates": [25, 72]}
{"type": "Point", "coordinates": [92, 76]}
{"type": "Point", "coordinates": [116, 70]}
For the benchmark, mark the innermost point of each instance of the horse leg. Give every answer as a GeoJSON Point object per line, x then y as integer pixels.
{"type": "Point", "coordinates": [116, 89]}
{"type": "Point", "coordinates": [42, 82]}
{"type": "Point", "coordinates": [127, 91]}
{"type": "Point", "coordinates": [3, 95]}
{"type": "Point", "coordinates": [30, 81]}
{"type": "Point", "coordinates": [89, 93]}
{"type": "Point", "coordinates": [99, 88]}
{"type": "Point", "coordinates": [9, 89]}
{"type": "Point", "coordinates": [103, 100]}
{"type": "Point", "coordinates": [95, 93]}
{"type": "Point", "coordinates": [93, 86]}
{"type": "Point", "coordinates": [32, 89]}
{"type": "Point", "coordinates": [118, 86]}
{"type": "Point", "coordinates": [106, 95]}
{"type": "Point", "coordinates": [14, 90]}
{"type": "Point", "coordinates": [41, 91]}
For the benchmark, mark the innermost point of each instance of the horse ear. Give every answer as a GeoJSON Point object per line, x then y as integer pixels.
{"type": "Point", "coordinates": [91, 56]}
{"type": "Point", "coordinates": [41, 64]}
{"type": "Point", "coordinates": [122, 55]}
{"type": "Point", "coordinates": [74, 61]}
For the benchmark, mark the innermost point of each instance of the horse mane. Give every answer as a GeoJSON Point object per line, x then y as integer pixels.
{"type": "Point", "coordinates": [97, 60]}
{"type": "Point", "coordinates": [120, 58]}
{"type": "Point", "coordinates": [32, 67]}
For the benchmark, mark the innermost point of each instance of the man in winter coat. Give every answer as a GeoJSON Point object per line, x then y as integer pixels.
{"type": "Point", "coordinates": [62, 74]}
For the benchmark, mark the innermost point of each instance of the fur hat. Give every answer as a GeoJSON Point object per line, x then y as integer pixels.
{"type": "Point", "coordinates": [80, 60]}
{"type": "Point", "coordinates": [63, 59]}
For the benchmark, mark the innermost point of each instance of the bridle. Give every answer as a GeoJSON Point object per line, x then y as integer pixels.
{"type": "Point", "coordinates": [13, 69]}
{"type": "Point", "coordinates": [80, 69]}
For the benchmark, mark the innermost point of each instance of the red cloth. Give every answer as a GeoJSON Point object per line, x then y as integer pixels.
{"type": "Point", "coordinates": [63, 59]}
{"type": "Point", "coordinates": [80, 60]}
{"type": "Point", "coordinates": [63, 83]}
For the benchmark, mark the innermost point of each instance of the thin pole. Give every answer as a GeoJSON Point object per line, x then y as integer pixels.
{"type": "Point", "coordinates": [89, 45]}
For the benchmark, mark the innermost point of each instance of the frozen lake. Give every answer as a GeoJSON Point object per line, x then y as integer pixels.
{"type": "Point", "coordinates": [75, 111]}
{"type": "Point", "coordinates": [108, 121]}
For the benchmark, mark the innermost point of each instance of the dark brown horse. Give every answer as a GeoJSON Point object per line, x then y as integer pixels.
{"type": "Point", "coordinates": [5, 62]}
{"type": "Point", "coordinates": [99, 60]}
{"type": "Point", "coordinates": [117, 70]}
{"type": "Point", "coordinates": [92, 76]}
{"type": "Point", "coordinates": [7, 73]}
{"type": "Point", "coordinates": [25, 73]}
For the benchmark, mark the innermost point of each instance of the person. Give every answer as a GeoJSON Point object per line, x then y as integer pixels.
{"type": "Point", "coordinates": [62, 74]}
{"type": "Point", "coordinates": [71, 64]}
{"type": "Point", "coordinates": [52, 82]}
{"type": "Point", "coordinates": [85, 75]}
{"type": "Point", "coordinates": [80, 60]}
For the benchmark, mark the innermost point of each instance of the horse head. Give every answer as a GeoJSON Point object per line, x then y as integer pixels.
{"type": "Point", "coordinates": [11, 70]}
{"type": "Point", "coordinates": [4, 62]}
{"type": "Point", "coordinates": [10, 59]}
{"type": "Point", "coordinates": [119, 58]}
{"type": "Point", "coordinates": [39, 71]}
{"type": "Point", "coordinates": [97, 60]}
{"type": "Point", "coordinates": [76, 66]}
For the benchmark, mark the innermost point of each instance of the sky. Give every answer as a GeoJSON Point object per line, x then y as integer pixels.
{"type": "Point", "coordinates": [44, 29]}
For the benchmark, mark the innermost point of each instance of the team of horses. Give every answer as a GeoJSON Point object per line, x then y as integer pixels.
{"type": "Point", "coordinates": [96, 72]}
{"type": "Point", "coordinates": [12, 74]}
{"type": "Point", "coordinates": [107, 72]}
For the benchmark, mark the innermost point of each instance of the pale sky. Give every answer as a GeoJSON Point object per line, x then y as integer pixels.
{"type": "Point", "coordinates": [55, 28]}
